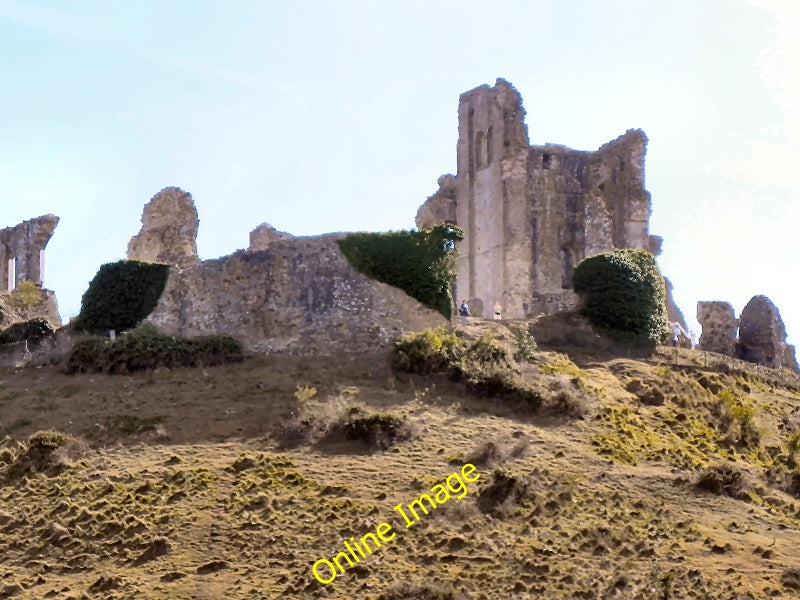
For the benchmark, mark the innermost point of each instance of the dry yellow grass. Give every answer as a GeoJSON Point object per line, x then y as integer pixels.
{"type": "Point", "coordinates": [186, 493]}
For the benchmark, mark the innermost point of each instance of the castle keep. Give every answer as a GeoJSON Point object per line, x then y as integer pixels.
{"type": "Point", "coordinates": [530, 214]}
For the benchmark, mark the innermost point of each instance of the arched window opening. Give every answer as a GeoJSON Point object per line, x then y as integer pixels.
{"type": "Point", "coordinates": [480, 150]}
{"type": "Point", "coordinates": [11, 269]}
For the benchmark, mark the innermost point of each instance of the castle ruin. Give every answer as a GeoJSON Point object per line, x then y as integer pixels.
{"type": "Point", "coordinates": [22, 251]}
{"type": "Point", "coordinates": [169, 230]}
{"type": "Point", "coordinates": [22, 259]}
{"type": "Point", "coordinates": [530, 214]}
{"type": "Point", "coordinates": [757, 336]}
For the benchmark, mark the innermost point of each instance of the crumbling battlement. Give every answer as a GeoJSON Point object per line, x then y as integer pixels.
{"type": "Point", "coordinates": [530, 214]}
{"type": "Point", "coordinates": [22, 251]}
{"type": "Point", "coordinates": [263, 235]}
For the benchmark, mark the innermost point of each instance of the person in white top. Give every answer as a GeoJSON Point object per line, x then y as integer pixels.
{"type": "Point", "coordinates": [677, 330]}
{"type": "Point", "coordinates": [498, 311]}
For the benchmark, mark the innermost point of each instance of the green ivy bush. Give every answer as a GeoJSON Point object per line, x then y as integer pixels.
{"type": "Point", "coordinates": [421, 263]}
{"type": "Point", "coordinates": [33, 330]}
{"type": "Point", "coordinates": [623, 295]}
{"type": "Point", "coordinates": [121, 295]}
{"type": "Point", "coordinates": [147, 348]}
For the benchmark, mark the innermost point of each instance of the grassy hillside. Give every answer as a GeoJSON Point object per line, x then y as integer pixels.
{"type": "Point", "coordinates": [231, 481]}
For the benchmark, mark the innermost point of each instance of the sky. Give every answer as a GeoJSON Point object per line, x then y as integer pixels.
{"type": "Point", "coordinates": [340, 115]}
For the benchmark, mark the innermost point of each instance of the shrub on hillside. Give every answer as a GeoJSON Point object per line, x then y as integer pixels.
{"type": "Point", "coordinates": [794, 482]}
{"type": "Point", "coordinates": [623, 295]}
{"type": "Point", "coordinates": [526, 345]}
{"type": "Point", "coordinates": [504, 491]}
{"type": "Point", "coordinates": [147, 348]}
{"type": "Point", "coordinates": [510, 386]}
{"type": "Point", "coordinates": [421, 263]}
{"type": "Point", "coordinates": [380, 430]}
{"type": "Point", "coordinates": [310, 421]}
{"type": "Point", "coordinates": [46, 452]}
{"type": "Point", "coordinates": [26, 295]}
{"type": "Point", "coordinates": [566, 397]}
{"type": "Point", "coordinates": [793, 447]}
{"type": "Point", "coordinates": [337, 419]}
{"type": "Point", "coordinates": [736, 418]}
{"type": "Point", "coordinates": [486, 354]}
{"type": "Point", "coordinates": [427, 351]}
{"type": "Point", "coordinates": [32, 330]}
{"type": "Point", "coordinates": [723, 480]}
{"type": "Point", "coordinates": [121, 295]}
{"type": "Point", "coordinates": [487, 367]}
{"type": "Point", "coordinates": [790, 578]}
{"type": "Point", "coordinates": [9, 449]}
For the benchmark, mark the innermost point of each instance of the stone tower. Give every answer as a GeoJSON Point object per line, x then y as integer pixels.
{"type": "Point", "coordinates": [530, 214]}
{"type": "Point", "coordinates": [491, 178]}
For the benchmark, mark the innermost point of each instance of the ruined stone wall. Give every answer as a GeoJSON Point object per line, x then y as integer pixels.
{"type": "Point", "coordinates": [24, 244]}
{"type": "Point", "coordinates": [583, 203]}
{"type": "Point", "coordinates": [15, 312]}
{"type": "Point", "coordinates": [530, 214]}
{"type": "Point", "coordinates": [169, 230]}
{"type": "Point", "coordinates": [441, 206]}
{"type": "Point", "coordinates": [719, 324]}
{"type": "Point", "coordinates": [761, 333]}
{"type": "Point", "coordinates": [300, 296]}
{"type": "Point", "coordinates": [22, 259]}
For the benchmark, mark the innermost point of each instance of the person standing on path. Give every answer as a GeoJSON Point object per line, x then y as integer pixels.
{"type": "Point", "coordinates": [498, 310]}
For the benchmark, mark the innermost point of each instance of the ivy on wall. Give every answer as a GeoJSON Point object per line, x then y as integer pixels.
{"type": "Point", "coordinates": [421, 263]}
{"type": "Point", "coordinates": [121, 295]}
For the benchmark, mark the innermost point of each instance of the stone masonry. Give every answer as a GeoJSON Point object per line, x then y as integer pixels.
{"type": "Point", "coordinates": [719, 325]}
{"type": "Point", "coordinates": [22, 251]}
{"type": "Point", "coordinates": [298, 296]}
{"type": "Point", "coordinates": [22, 259]}
{"type": "Point", "coordinates": [263, 235]}
{"type": "Point", "coordinates": [761, 333]}
{"type": "Point", "coordinates": [530, 214]}
{"type": "Point", "coordinates": [169, 230]}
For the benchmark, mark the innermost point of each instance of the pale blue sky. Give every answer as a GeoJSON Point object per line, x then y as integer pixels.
{"type": "Point", "coordinates": [323, 116]}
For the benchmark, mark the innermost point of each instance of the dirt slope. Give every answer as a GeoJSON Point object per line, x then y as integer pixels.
{"type": "Point", "coordinates": [190, 488]}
